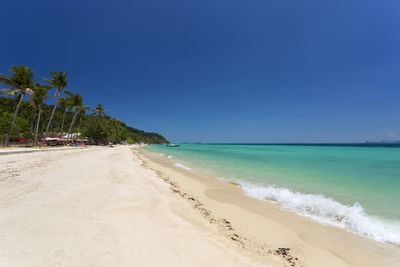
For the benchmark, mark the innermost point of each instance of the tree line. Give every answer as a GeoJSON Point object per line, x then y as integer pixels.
{"type": "Point", "coordinates": [24, 113]}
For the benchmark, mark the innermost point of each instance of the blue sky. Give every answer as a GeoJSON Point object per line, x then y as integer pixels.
{"type": "Point", "coordinates": [222, 71]}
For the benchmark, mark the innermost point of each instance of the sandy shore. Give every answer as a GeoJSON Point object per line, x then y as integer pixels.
{"type": "Point", "coordinates": [262, 227]}
{"type": "Point", "coordinates": [100, 207]}
{"type": "Point", "coordinates": [122, 206]}
{"type": "Point", "coordinates": [21, 150]}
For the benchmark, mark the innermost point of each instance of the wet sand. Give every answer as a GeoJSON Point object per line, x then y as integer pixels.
{"type": "Point", "coordinates": [263, 228]}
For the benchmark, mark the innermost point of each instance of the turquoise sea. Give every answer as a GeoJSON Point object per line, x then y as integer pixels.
{"type": "Point", "coordinates": [356, 187]}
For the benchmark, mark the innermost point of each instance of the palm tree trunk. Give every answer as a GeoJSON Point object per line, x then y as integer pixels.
{"type": "Point", "coordinates": [42, 127]}
{"type": "Point", "coordinates": [32, 122]}
{"type": "Point", "coordinates": [13, 120]}
{"type": "Point", "coordinates": [80, 122]}
{"type": "Point", "coordinates": [37, 126]}
{"type": "Point", "coordinates": [52, 115]}
{"type": "Point", "coordinates": [72, 123]}
{"type": "Point", "coordinates": [62, 124]}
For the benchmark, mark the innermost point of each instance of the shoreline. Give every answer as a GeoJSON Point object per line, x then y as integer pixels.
{"type": "Point", "coordinates": [101, 207]}
{"type": "Point", "coordinates": [263, 228]}
{"type": "Point", "coordinates": [120, 206]}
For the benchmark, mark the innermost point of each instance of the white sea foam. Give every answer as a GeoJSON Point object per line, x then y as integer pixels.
{"type": "Point", "coordinates": [182, 166]}
{"type": "Point", "coordinates": [328, 211]}
{"type": "Point", "coordinates": [169, 156]}
{"type": "Point", "coordinates": [161, 154]}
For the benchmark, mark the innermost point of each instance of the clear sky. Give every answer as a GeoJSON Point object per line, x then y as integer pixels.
{"type": "Point", "coordinates": [219, 70]}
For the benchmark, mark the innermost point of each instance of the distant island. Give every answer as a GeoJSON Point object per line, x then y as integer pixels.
{"type": "Point", "coordinates": [382, 142]}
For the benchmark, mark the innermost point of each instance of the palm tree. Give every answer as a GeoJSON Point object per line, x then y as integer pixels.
{"type": "Point", "coordinates": [40, 95]}
{"type": "Point", "coordinates": [99, 110]}
{"type": "Point", "coordinates": [82, 113]}
{"type": "Point", "coordinates": [77, 101]}
{"type": "Point", "coordinates": [63, 104]}
{"type": "Point", "coordinates": [59, 81]}
{"type": "Point", "coordinates": [19, 84]}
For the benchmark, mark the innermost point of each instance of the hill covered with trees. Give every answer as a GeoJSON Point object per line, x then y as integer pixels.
{"type": "Point", "coordinates": [30, 118]}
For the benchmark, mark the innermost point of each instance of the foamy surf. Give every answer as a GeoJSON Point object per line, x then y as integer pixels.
{"type": "Point", "coordinates": [328, 211]}
{"type": "Point", "coordinates": [182, 166]}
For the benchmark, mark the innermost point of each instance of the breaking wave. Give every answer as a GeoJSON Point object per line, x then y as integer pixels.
{"type": "Point", "coordinates": [182, 166]}
{"type": "Point", "coordinates": [328, 211]}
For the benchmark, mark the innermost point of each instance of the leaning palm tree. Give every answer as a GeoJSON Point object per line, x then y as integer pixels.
{"type": "Point", "coordinates": [19, 84]}
{"type": "Point", "coordinates": [64, 105]}
{"type": "Point", "coordinates": [82, 113]}
{"type": "Point", "coordinates": [77, 101]}
{"type": "Point", "coordinates": [58, 80]}
{"type": "Point", "coordinates": [40, 95]}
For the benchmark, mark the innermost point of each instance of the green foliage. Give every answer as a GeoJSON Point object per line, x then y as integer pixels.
{"type": "Point", "coordinates": [21, 126]}
{"type": "Point", "coordinates": [99, 110]}
{"type": "Point", "coordinates": [70, 110]}
{"type": "Point", "coordinates": [20, 80]}
{"type": "Point", "coordinates": [58, 80]}
{"type": "Point", "coordinates": [63, 102]}
{"type": "Point", "coordinates": [94, 127]}
{"type": "Point", "coordinates": [40, 94]}
{"type": "Point", "coordinates": [75, 100]}
{"type": "Point", "coordinates": [95, 130]}
{"type": "Point", "coordinates": [19, 84]}
{"type": "Point", "coordinates": [110, 129]}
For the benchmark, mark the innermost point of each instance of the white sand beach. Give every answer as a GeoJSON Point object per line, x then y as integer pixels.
{"type": "Point", "coordinates": [100, 207]}
{"type": "Point", "coordinates": [103, 206]}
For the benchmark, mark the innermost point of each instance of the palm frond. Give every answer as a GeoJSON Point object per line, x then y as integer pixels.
{"type": "Point", "coordinates": [58, 79]}
{"type": "Point", "coordinates": [5, 90]}
{"type": "Point", "coordinates": [21, 78]}
{"type": "Point", "coordinates": [48, 81]}
{"type": "Point", "coordinates": [10, 92]}
{"type": "Point", "coordinates": [68, 92]}
{"type": "Point", "coordinates": [6, 76]}
{"type": "Point", "coordinates": [7, 80]}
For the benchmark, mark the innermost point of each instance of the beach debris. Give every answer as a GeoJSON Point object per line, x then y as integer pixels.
{"type": "Point", "coordinates": [284, 252]}
{"type": "Point", "coordinates": [224, 225]}
{"type": "Point", "coordinates": [225, 221]}
{"type": "Point", "coordinates": [339, 218]}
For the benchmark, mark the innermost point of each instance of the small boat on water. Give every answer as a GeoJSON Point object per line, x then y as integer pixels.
{"type": "Point", "coordinates": [172, 145]}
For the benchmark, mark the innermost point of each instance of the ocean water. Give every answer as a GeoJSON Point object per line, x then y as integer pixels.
{"type": "Point", "coordinates": [353, 187]}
